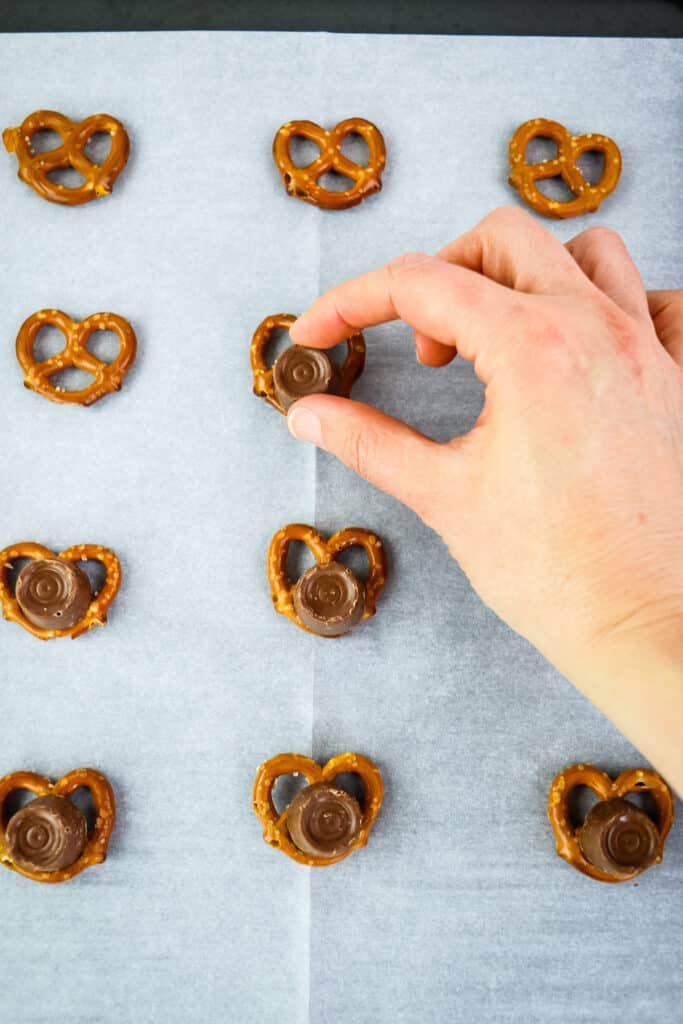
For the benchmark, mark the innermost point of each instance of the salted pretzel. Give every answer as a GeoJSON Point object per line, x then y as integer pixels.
{"type": "Point", "coordinates": [338, 825]}
{"type": "Point", "coordinates": [35, 168]}
{"type": "Point", "coordinates": [107, 376]}
{"type": "Point", "coordinates": [574, 842]}
{"type": "Point", "coordinates": [587, 197]}
{"type": "Point", "coordinates": [45, 836]}
{"type": "Point", "coordinates": [52, 588]}
{"type": "Point", "coordinates": [299, 370]}
{"type": "Point", "coordinates": [328, 599]}
{"type": "Point", "coordinates": [302, 182]}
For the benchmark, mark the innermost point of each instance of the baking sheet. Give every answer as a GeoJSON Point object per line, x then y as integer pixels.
{"type": "Point", "coordinates": [458, 910]}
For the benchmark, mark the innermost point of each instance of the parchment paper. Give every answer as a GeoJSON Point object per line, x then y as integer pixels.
{"type": "Point", "coordinates": [458, 910]}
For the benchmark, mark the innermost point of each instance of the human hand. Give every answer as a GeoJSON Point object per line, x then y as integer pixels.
{"type": "Point", "coordinates": [564, 503]}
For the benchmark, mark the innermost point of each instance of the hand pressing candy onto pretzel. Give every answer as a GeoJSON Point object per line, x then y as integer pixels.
{"type": "Point", "coordinates": [328, 599]}
{"type": "Point", "coordinates": [303, 182]}
{"type": "Point", "coordinates": [564, 502]}
{"type": "Point", "coordinates": [52, 595]}
{"type": "Point", "coordinates": [37, 168]}
{"type": "Point", "coordinates": [107, 377]}
{"type": "Point", "coordinates": [324, 823]}
{"type": "Point", "coordinates": [48, 840]}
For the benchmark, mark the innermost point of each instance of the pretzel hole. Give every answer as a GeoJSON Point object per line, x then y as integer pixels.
{"type": "Point", "coordinates": [17, 799]}
{"type": "Point", "coordinates": [85, 802]}
{"type": "Point", "coordinates": [356, 560]}
{"type": "Point", "coordinates": [353, 783]}
{"type": "Point", "coordinates": [286, 788]}
{"type": "Point", "coordinates": [96, 573]}
{"type": "Point", "coordinates": [299, 560]}
{"type": "Point", "coordinates": [277, 343]}
{"type": "Point", "coordinates": [98, 147]}
{"type": "Point", "coordinates": [302, 151]}
{"type": "Point", "coordinates": [71, 379]}
{"type": "Point", "coordinates": [644, 800]}
{"type": "Point", "coordinates": [541, 148]}
{"type": "Point", "coordinates": [67, 177]}
{"type": "Point", "coordinates": [556, 189]}
{"type": "Point", "coordinates": [580, 801]}
{"type": "Point", "coordinates": [592, 165]}
{"type": "Point", "coordinates": [12, 572]}
{"type": "Point", "coordinates": [48, 342]}
{"type": "Point", "coordinates": [354, 147]}
{"type": "Point", "coordinates": [104, 345]}
{"type": "Point", "coordinates": [45, 140]}
{"type": "Point", "coordinates": [332, 181]}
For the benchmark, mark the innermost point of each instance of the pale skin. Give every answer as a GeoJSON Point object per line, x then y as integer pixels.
{"type": "Point", "coordinates": [564, 503]}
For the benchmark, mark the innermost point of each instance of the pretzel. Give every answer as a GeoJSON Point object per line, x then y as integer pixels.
{"type": "Point", "coordinates": [568, 838]}
{"type": "Point", "coordinates": [95, 849]}
{"type": "Point", "coordinates": [286, 595]}
{"type": "Point", "coordinates": [587, 197]}
{"type": "Point", "coordinates": [275, 829]}
{"type": "Point", "coordinates": [302, 182]}
{"type": "Point", "coordinates": [35, 168]}
{"type": "Point", "coordinates": [108, 376]}
{"type": "Point", "coordinates": [308, 371]}
{"type": "Point", "coordinates": [96, 613]}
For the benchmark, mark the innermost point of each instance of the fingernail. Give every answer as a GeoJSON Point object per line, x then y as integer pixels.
{"type": "Point", "coordinates": [419, 358]}
{"type": "Point", "coordinates": [305, 425]}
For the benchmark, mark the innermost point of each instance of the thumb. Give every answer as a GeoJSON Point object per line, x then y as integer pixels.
{"type": "Point", "coordinates": [387, 452]}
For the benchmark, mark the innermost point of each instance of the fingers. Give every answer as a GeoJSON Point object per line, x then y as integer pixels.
{"type": "Point", "coordinates": [388, 453]}
{"type": "Point", "coordinates": [666, 310]}
{"type": "Point", "coordinates": [432, 353]}
{"type": "Point", "coordinates": [447, 304]}
{"type": "Point", "coordinates": [510, 247]}
{"type": "Point", "coordinates": [603, 257]}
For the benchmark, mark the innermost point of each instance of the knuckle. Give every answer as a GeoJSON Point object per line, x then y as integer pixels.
{"type": "Point", "coordinates": [603, 238]}
{"type": "Point", "coordinates": [408, 263]}
{"type": "Point", "coordinates": [359, 449]}
{"type": "Point", "coordinates": [504, 216]}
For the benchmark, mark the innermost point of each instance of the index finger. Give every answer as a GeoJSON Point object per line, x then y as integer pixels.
{"type": "Point", "coordinates": [448, 303]}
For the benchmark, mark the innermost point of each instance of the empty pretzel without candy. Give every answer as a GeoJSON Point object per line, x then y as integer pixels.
{"type": "Point", "coordinates": [324, 823]}
{"type": "Point", "coordinates": [587, 196]}
{"type": "Point", "coordinates": [52, 595]}
{"type": "Point", "coordinates": [37, 168]}
{"type": "Point", "coordinates": [617, 840]}
{"type": "Point", "coordinates": [48, 839]}
{"type": "Point", "coordinates": [329, 599]}
{"type": "Point", "coordinates": [303, 182]}
{"type": "Point", "coordinates": [107, 377]}
{"type": "Point", "coordinates": [299, 371]}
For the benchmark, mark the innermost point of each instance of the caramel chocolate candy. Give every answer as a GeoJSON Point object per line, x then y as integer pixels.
{"type": "Point", "coordinates": [53, 593]}
{"type": "Point", "coordinates": [329, 599]}
{"type": "Point", "coordinates": [301, 371]}
{"type": "Point", "coordinates": [617, 837]}
{"type": "Point", "coordinates": [324, 820]}
{"type": "Point", "coordinates": [49, 834]}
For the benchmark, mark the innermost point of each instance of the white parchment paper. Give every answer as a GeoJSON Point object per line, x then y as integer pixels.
{"type": "Point", "coordinates": [458, 910]}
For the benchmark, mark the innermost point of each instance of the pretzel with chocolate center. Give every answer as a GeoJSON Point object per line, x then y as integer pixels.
{"type": "Point", "coordinates": [47, 840]}
{"type": "Point", "coordinates": [302, 182]}
{"type": "Point", "coordinates": [35, 168]}
{"type": "Point", "coordinates": [107, 376]}
{"type": "Point", "coordinates": [299, 370]}
{"type": "Point", "coordinates": [324, 823]}
{"type": "Point", "coordinates": [617, 841]}
{"type": "Point", "coordinates": [52, 596]}
{"type": "Point", "coordinates": [328, 600]}
{"type": "Point", "coordinates": [587, 197]}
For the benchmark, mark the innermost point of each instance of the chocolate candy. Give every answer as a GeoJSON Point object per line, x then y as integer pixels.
{"type": "Point", "coordinates": [53, 593]}
{"type": "Point", "coordinates": [329, 599]}
{"type": "Point", "coordinates": [324, 820]}
{"type": "Point", "coordinates": [617, 837]}
{"type": "Point", "coordinates": [301, 371]}
{"type": "Point", "coordinates": [48, 834]}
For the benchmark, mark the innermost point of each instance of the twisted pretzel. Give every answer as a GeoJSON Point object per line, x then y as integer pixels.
{"type": "Point", "coordinates": [587, 197]}
{"type": "Point", "coordinates": [35, 168]}
{"type": "Point", "coordinates": [324, 551]}
{"type": "Point", "coordinates": [275, 831]}
{"type": "Point", "coordinates": [95, 850]}
{"type": "Point", "coordinates": [96, 615]}
{"type": "Point", "coordinates": [345, 376]}
{"type": "Point", "coordinates": [302, 182]}
{"type": "Point", "coordinates": [636, 780]}
{"type": "Point", "coordinates": [108, 376]}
